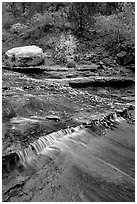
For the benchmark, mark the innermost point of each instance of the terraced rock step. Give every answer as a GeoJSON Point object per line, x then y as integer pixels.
{"type": "Point", "coordinates": [36, 68]}
{"type": "Point", "coordinates": [24, 157]}
{"type": "Point", "coordinates": [52, 68]}
{"type": "Point", "coordinates": [102, 81]}
{"type": "Point", "coordinates": [80, 166]}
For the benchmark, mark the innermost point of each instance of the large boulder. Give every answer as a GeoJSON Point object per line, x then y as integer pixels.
{"type": "Point", "coordinates": [24, 56]}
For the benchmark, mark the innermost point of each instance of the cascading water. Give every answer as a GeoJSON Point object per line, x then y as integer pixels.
{"type": "Point", "coordinates": [21, 156]}
{"type": "Point", "coordinates": [45, 143]}
{"type": "Point", "coordinates": [35, 148]}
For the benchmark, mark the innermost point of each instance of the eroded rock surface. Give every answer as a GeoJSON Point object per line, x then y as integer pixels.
{"type": "Point", "coordinates": [92, 163]}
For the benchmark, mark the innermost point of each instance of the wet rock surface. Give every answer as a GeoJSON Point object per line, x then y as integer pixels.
{"type": "Point", "coordinates": [93, 163]}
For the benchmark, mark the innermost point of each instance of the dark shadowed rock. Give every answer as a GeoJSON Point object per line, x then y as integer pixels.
{"type": "Point", "coordinates": [120, 57]}
{"type": "Point", "coordinates": [101, 82]}
{"type": "Point", "coordinates": [71, 64]}
{"type": "Point", "coordinates": [125, 58]}
{"type": "Point", "coordinates": [7, 111]}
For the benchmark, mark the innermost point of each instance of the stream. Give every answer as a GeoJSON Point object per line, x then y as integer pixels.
{"type": "Point", "coordinates": [64, 142]}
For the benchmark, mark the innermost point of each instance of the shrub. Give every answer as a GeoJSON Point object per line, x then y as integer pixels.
{"type": "Point", "coordinates": [7, 20]}
{"type": "Point", "coordinates": [41, 24]}
{"type": "Point", "coordinates": [49, 41]}
{"type": "Point", "coordinates": [55, 19]}
{"type": "Point", "coordinates": [18, 27]}
{"type": "Point", "coordinates": [65, 48]}
{"type": "Point", "coordinates": [6, 35]}
{"type": "Point", "coordinates": [117, 29]}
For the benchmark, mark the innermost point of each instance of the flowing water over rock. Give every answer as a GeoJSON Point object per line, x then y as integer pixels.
{"type": "Point", "coordinates": [66, 144]}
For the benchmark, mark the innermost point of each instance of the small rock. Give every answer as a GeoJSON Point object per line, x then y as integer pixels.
{"type": "Point", "coordinates": [5, 88]}
{"type": "Point", "coordinates": [121, 54]}
{"type": "Point", "coordinates": [107, 62]}
{"type": "Point", "coordinates": [42, 86]}
{"type": "Point", "coordinates": [102, 66]}
{"type": "Point", "coordinates": [121, 57]}
{"type": "Point", "coordinates": [71, 64]}
{"type": "Point", "coordinates": [28, 88]}
{"type": "Point", "coordinates": [53, 117]}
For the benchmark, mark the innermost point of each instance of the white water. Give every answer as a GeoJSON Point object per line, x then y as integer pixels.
{"type": "Point", "coordinates": [43, 144]}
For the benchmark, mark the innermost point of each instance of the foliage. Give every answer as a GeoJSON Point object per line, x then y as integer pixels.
{"type": "Point", "coordinates": [6, 36]}
{"type": "Point", "coordinates": [65, 48]}
{"type": "Point", "coordinates": [107, 25]}
{"type": "Point", "coordinates": [18, 27]}
{"type": "Point", "coordinates": [80, 15]}
{"type": "Point", "coordinates": [55, 19]}
{"type": "Point", "coordinates": [110, 8]}
{"type": "Point", "coordinates": [25, 10]}
{"type": "Point", "coordinates": [118, 29]}
{"type": "Point", "coordinates": [7, 20]}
